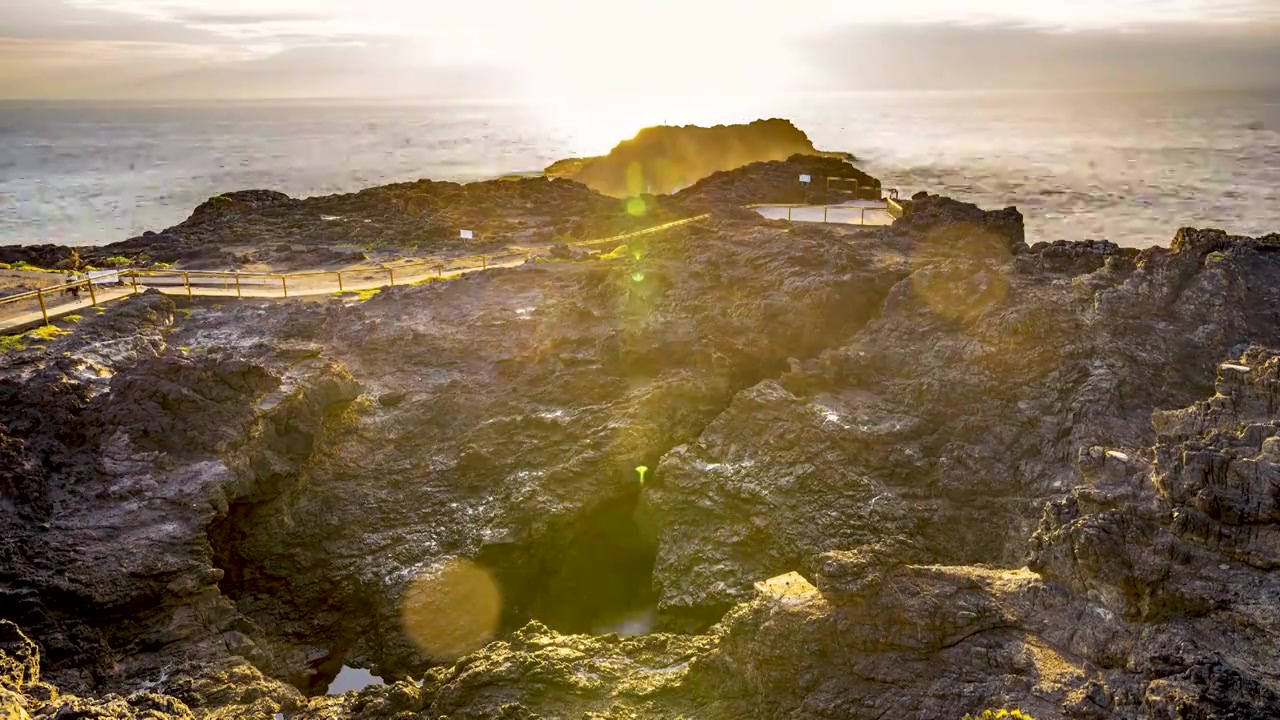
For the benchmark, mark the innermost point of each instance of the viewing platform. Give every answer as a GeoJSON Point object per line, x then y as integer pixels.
{"type": "Point", "coordinates": [849, 212]}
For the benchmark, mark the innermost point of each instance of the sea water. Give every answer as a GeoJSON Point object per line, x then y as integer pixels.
{"type": "Point", "coordinates": [1131, 168]}
{"type": "Point", "coordinates": [349, 678]}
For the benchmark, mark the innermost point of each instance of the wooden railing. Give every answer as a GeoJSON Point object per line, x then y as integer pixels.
{"type": "Point", "coordinates": [239, 284]}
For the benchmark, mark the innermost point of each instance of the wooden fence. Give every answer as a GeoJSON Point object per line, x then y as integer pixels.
{"type": "Point", "coordinates": [249, 284]}
{"type": "Point", "coordinates": [127, 282]}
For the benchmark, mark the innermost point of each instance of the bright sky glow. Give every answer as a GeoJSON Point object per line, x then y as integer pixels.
{"type": "Point", "coordinates": [552, 46]}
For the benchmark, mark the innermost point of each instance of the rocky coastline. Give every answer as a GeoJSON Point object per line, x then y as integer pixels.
{"type": "Point", "coordinates": [256, 229]}
{"type": "Point", "coordinates": [664, 160]}
{"type": "Point", "coordinates": [914, 471]}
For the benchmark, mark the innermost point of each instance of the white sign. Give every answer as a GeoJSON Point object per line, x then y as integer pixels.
{"type": "Point", "coordinates": [104, 277]}
{"type": "Point", "coordinates": [468, 235]}
{"type": "Point", "coordinates": [805, 179]}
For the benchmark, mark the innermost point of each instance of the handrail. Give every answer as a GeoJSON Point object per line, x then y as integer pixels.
{"type": "Point", "coordinates": [646, 231]}
{"type": "Point", "coordinates": [440, 265]}
{"type": "Point", "coordinates": [896, 211]}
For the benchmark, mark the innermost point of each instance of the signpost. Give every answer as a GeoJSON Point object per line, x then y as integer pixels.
{"type": "Point", "coordinates": [104, 277]}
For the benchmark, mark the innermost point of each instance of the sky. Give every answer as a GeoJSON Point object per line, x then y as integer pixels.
{"type": "Point", "coordinates": [474, 49]}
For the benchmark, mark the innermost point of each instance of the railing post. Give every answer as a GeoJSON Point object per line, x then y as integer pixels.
{"type": "Point", "coordinates": [339, 274]}
{"type": "Point", "coordinates": [440, 270]}
{"type": "Point", "coordinates": [284, 286]}
{"type": "Point", "coordinates": [134, 276]}
{"type": "Point", "coordinates": [825, 208]}
{"type": "Point", "coordinates": [238, 285]}
{"type": "Point", "coordinates": [391, 274]}
{"type": "Point", "coordinates": [186, 280]}
{"type": "Point", "coordinates": [43, 311]}
{"type": "Point", "coordinates": [93, 296]}
{"type": "Point", "coordinates": [864, 216]}
{"type": "Point", "coordinates": [484, 263]}
{"type": "Point", "coordinates": [788, 214]}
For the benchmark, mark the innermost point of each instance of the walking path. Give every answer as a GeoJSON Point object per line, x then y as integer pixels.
{"type": "Point", "coordinates": [29, 309]}
{"type": "Point", "coordinates": [270, 289]}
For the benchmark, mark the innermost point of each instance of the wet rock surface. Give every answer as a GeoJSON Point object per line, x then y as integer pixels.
{"type": "Point", "coordinates": [920, 470]}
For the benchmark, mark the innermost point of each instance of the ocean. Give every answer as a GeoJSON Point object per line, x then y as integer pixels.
{"type": "Point", "coordinates": [1131, 168]}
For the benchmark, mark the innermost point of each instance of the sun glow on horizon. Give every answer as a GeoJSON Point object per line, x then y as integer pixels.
{"type": "Point", "coordinates": [544, 49]}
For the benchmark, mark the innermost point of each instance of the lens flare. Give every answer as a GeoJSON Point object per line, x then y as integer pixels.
{"type": "Point", "coordinates": [451, 609]}
{"type": "Point", "coordinates": [636, 184]}
{"type": "Point", "coordinates": [636, 207]}
{"type": "Point", "coordinates": [960, 271]}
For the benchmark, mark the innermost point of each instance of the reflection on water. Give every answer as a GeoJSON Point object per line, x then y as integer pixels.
{"type": "Point", "coordinates": [350, 678]}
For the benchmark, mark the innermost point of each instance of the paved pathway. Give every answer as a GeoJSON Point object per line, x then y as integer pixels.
{"type": "Point", "coordinates": [852, 212]}
{"type": "Point", "coordinates": [214, 287]}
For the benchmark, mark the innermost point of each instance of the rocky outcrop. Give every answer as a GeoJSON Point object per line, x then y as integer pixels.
{"type": "Point", "coordinates": [664, 159]}
{"type": "Point", "coordinates": [1179, 540]}
{"type": "Point", "coordinates": [779, 182]}
{"type": "Point", "coordinates": [853, 441]}
{"type": "Point", "coordinates": [989, 366]}
{"type": "Point", "coordinates": [424, 218]}
{"type": "Point", "coordinates": [121, 462]}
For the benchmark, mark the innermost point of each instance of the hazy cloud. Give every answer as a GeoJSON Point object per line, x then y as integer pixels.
{"type": "Point", "coordinates": [375, 68]}
{"type": "Point", "coordinates": [1165, 56]}
{"type": "Point", "coordinates": [333, 48]}
{"type": "Point", "coordinates": [214, 18]}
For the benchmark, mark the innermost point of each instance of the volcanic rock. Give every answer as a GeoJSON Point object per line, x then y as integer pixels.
{"type": "Point", "coordinates": [664, 159]}
{"type": "Point", "coordinates": [779, 182]}
{"type": "Point", "coordinates": [905, 470]}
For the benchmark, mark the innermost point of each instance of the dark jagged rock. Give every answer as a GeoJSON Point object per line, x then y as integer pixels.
{"type": "Point", "coordinates": [42, 256]}
{"type": "Point", "coordinates": [778, 182]}
{"type": "Point", "coordinates": [853, 441]}
{"type": "Point", "coordinates": [665, 159]}
{"type": "Point", "coordinates": [1073, 258]}
{"type": "Point", "coordinates": [425, 217]}
{"type": "Point", "coordinates": [341, 229]}
{"type": "Point", "coordinates": [964, 227]}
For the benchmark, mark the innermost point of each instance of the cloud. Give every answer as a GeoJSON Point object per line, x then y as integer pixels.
{"type": "Point", "coordinates": [39, 68]}
{"type": "Point", "coordinates": [333, 48]}
{"type": "Point", "coordinates": [1003, 56]}
{"type": "Point", "coordinates": [60, 20]}
{"type": "Point", "coordinates": [215, 18]}
{"type": "Point", "coordinates": [371, 68]}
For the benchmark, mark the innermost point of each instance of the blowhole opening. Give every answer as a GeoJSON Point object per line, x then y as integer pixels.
{"type": "Point", "coordinates": [593, 577]}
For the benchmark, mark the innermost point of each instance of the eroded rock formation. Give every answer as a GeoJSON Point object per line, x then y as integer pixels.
{"type": "Point", "coordinates": [666, 159]}
{"type": "Point", "coordinates": [937, 441]}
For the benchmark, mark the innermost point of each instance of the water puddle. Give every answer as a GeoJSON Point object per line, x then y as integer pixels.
{"type": "Point", "coordinates": [350, 678]}
{"type": "Point", "coordinates": [631, 625]}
